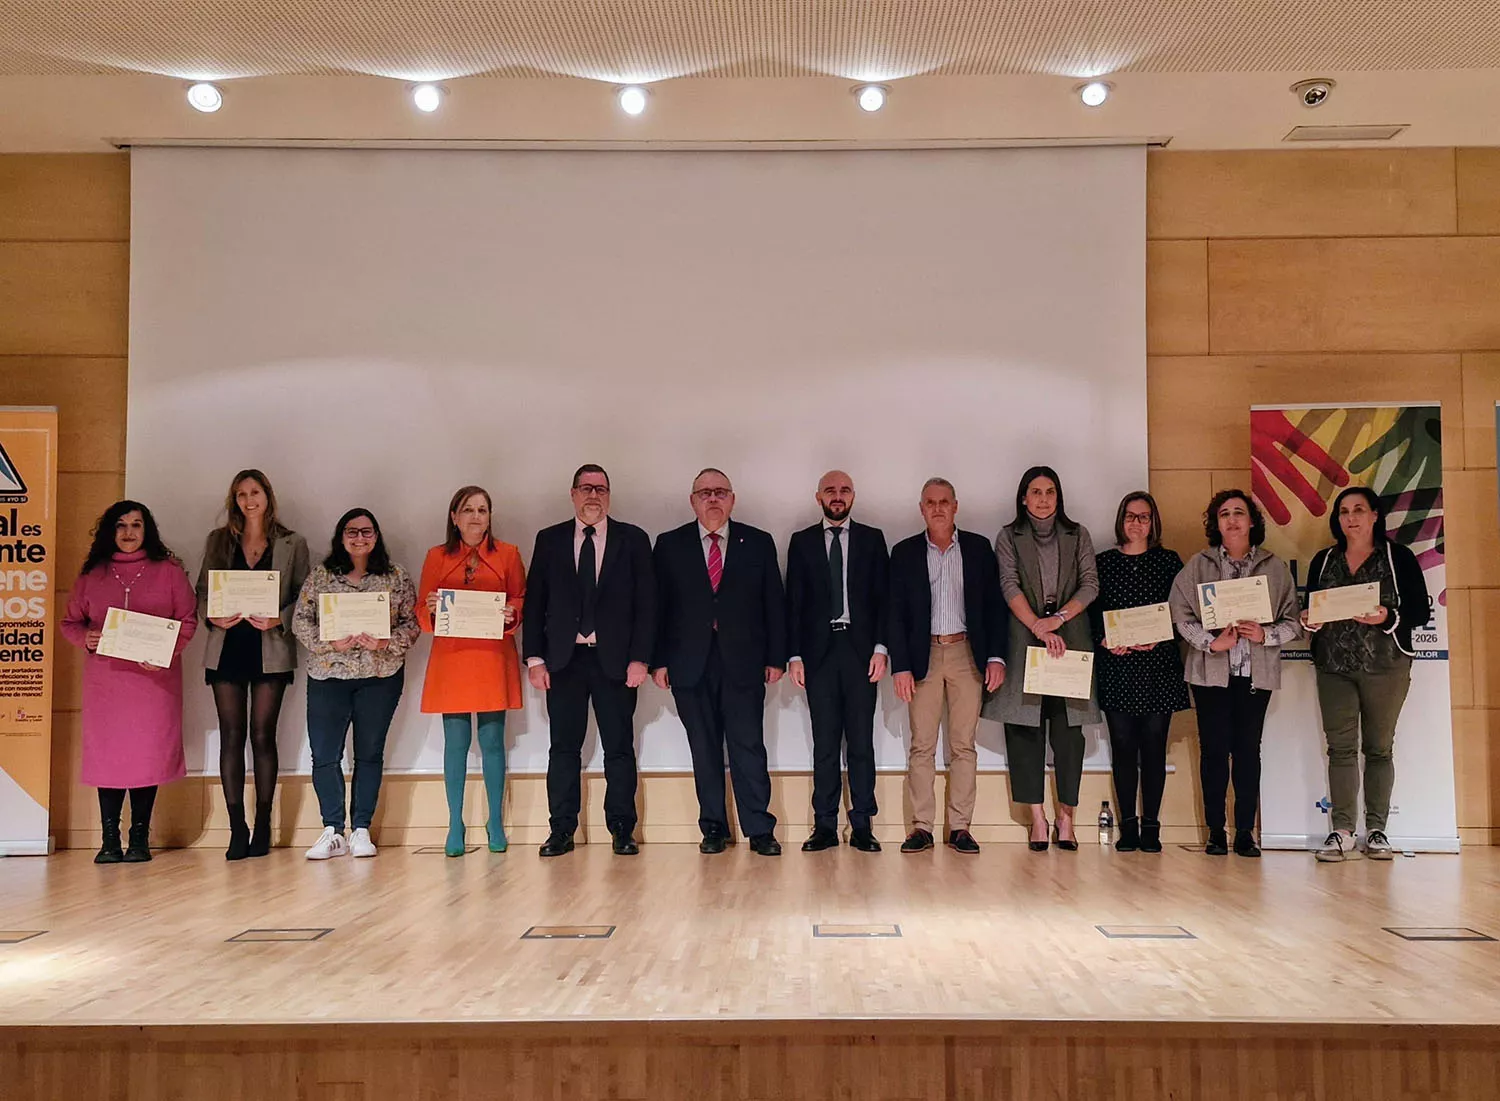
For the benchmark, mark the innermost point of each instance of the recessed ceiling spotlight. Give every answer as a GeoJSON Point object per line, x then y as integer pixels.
{"type": "Point", "coordinates": [427, 97]}
{"type": "Point", "coordinates": [632, 99]}
{"type": "Point", "coordinates": [1094, 93]}
{"type": "Point", "coordinates": [871, 97]}
{"type": "Point", "coordinates": [205, 97]}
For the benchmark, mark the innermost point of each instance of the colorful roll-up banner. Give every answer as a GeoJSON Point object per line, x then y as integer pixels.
{"type": "Point", "coordinates": [28, 554]}
{"type": "Point", "coordinates": [1300, 458]}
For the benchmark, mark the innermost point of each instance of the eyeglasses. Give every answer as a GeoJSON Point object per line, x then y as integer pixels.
{"type": "Point", "coordinates": [713, 494]}
{"type": "Point", "coordinates": [592, 491]}
{"type": "Point", "coordinates": [1137, 517]}
{"type": "Point", "coordinates": [359, 533]}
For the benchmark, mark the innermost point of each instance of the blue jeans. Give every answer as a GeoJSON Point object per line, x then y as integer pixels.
{"type": "Point", "coordinates": [369, 703]}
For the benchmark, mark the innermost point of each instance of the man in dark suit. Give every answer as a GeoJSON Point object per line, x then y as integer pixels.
{"type": "Point", "coordinates": [721, 639]}
{"type": "Point", "coordinates": [838, 588]}
{"type": "Point", "coordinates": [948, 622]}
{"type": "Point", "coordinates": [589, 626]}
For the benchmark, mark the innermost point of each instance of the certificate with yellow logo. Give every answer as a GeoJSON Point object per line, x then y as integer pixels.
{"type": "Point", "coordinates": [135, 636]}
{"type": "Point", "coordinates": [1071, 675]}
{"type": "Point", "coordinates": [342, 615]}
{"type": "Point", "coordinates": [463, 613]}
{"type": "Point", "coordinates": [1342, 602]}
{"type": "Point", "coordinates": [244, 593]}
{"type": "Point", "coordinates": [1143, 626]}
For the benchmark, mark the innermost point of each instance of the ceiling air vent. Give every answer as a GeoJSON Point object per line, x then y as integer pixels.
{"type": "Point", "coordinates": [1344, 133]}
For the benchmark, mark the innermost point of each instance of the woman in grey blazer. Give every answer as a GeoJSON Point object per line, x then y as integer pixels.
{"type": "Point", "coordinates": [249, 660]}
{"type": "Point", "coordinates": [1048, 578]}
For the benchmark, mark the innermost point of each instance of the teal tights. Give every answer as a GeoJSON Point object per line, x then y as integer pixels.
{"type": "Point", "coordinates": [457, 734]}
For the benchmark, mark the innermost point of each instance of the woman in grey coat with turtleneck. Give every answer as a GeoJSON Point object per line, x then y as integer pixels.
{"type": "Point", "coordinates": [1048, 578]}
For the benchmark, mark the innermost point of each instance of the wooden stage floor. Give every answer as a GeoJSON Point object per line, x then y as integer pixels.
{"type": "Point", "coordinates": [840, 944]}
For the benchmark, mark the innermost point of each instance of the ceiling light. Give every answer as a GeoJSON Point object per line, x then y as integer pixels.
{"type": "Point", "coordinates": [205, 97]}
{"type": "Point", "coordinates": [632, 99]}
{"type": "Point", "coordinates": [427, 97]}
{"type": "Point", "coordinates": [871, 97]}
{"type": "Point", "coordinates": [1094, 93]}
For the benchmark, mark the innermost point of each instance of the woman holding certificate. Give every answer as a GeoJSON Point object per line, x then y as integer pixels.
{"type": "Point", "coordinates": [253, 569]}
{"type": "Point", "coordinates": [1235, 605]}
{"type": "Point", "coordinates": [1048, 577]}
{"type": "Point", "coordinates": [357, 617]}
{"type": "Point", "coordinates": [1365, 596]}
{"type": "Point", "coordinates": [132, 703]}
{"type": "Point", "coordinates": [470, 596]}
{"type": "Point", "coordinates": [1140, 675]}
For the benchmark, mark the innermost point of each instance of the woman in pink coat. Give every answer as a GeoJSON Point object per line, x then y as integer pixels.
{"type": "Point", "coordinates": [132, 712]}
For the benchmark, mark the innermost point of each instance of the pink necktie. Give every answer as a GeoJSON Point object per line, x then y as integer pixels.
{"type": "Point", "coordinates": [715, 561]}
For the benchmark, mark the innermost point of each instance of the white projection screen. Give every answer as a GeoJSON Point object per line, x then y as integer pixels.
{"type": "Point", "coordinates": [379, 327]}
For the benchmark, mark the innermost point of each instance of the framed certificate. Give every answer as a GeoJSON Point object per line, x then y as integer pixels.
{"type": "Point", "coordinates": [341, 615]}
{"type": "Point", "coordinates": [1071, 675]}
{"type": "Point", "coordinates": [1342, 602]}
{"type": "Point", "coordinates": [244, 593]}
{"type": "Point", "coordinates": [463, 613]}
{"type": "Point", "coordinates": [1237, 600]}
{"type": "Point", "coordinates": [1143, 626]}
{"type": "Point", "coordinates": [135, 636]}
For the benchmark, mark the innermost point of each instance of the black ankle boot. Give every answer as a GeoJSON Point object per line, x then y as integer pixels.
{"type": "Point", "coordinates": [1130, 835]}
{"type": "Point", "coordinates": [140, 847]}
{"type": "Point", "coordinates": [1150, 835]}
{"type": "Point", "coordinates": [1218, 843]}
{"type": "Point", "coordinates": [109, 851]}
{"type": "Point", "coordinates": [260, 840]}
{"type": "Point", "coordinates": [239, 834]}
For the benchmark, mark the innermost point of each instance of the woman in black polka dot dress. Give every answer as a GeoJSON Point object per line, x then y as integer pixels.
{"type": "Point", "coordinates": [1141, 687]}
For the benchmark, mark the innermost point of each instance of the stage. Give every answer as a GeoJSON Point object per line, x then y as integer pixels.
{"type": "Point", "coordinates": [672, 974]}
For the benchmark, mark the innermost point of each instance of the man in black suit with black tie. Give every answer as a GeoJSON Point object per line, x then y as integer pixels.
{"type": "Point", "coordinates": [721, 638]}
{"type": "Point", "coordinates": [589, 626]}
{"type": "Point", "coordinates": [838, 589]}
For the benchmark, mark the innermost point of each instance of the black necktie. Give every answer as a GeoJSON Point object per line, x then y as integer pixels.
{"type": "Point", "coordinates": [588, 583]}
{"type": "Point", "coordinates": [836, 572]}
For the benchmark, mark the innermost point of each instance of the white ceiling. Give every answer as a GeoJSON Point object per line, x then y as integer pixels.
{"type": "Point", "coordinates": [1206, 73]}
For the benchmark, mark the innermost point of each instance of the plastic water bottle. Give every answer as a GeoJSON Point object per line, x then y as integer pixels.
{"type": "Point", "coordinates": [1106, 825]}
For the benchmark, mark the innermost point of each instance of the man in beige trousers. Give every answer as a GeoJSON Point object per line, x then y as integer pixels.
{"type": "Point", "coordinates": [947, 623]}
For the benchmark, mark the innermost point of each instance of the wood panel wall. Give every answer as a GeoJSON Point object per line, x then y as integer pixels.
{"type": "Point", "coordinates": [1271, 276]}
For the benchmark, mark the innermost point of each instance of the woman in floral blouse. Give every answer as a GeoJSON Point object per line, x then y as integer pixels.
{"type": "Point", "coordinates": [353, 680]}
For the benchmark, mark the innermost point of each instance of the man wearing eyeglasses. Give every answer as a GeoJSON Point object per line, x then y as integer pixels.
{"type": "Point", "coordinates": [721, 639]}
{"type": "Point", "coordinates": [589, 627]}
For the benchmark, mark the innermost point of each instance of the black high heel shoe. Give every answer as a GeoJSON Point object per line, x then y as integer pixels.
{"type": "Point", "coordinates": [1038, 846]}
{"type": "Point", "coordinates": [1069, 845]}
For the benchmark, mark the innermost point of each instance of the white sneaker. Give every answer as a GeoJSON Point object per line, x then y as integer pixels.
{"type": "Point", "coordinates": [1378, 846]}
{"type": "Point", "coordinates": [360, 843]}
{"type": "Point", "coordinates": [1337, 846]}
{"type": "Point", "coordinates": [329, 843]}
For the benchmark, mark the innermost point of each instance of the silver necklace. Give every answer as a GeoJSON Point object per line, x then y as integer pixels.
{"type": "Point", "coordinates": [133, 580]}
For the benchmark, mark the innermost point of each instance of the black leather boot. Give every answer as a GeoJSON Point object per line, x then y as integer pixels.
{"type": "Point", "coordinates": [109, 851]}
{"type": "Point", "coordinates": [140, 843]}
{"type": "Point", "coordinates": [1130, 835]}
{"type": "Point", "coordinates": [1150, 835]}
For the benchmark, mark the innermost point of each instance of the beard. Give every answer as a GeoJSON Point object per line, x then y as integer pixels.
{"type": "Point", "coordinates": [836, 515]}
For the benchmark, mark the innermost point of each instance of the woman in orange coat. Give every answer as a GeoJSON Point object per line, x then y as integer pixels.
{"type": "Point", "coordinates": [469, 676]}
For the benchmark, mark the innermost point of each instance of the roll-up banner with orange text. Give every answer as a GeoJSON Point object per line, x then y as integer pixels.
{"type": "Point", "coordinates": [28, 556]}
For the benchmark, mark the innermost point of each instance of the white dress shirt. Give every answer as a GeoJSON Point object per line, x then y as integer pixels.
{"type": "Point", "coordinates": [599, 535]}
{"type": "Point", "coordinates": [723, 534]}
{"type": "Point", "coordinates": [828, 526]}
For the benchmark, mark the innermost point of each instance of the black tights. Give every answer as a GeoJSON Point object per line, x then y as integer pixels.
{"type": "Point", "coordinates": [253, 712]}
{"type": "Point", "coordinates": [1138, 750]}
{"type": "Point", "coordinates": [112, 802]}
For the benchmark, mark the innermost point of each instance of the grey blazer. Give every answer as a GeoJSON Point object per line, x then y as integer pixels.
{"type": "Point", "coordinates": [278, 646]}
{"type": "Point", "coordinates": [1012, 704]}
